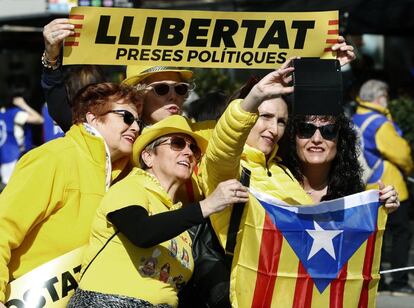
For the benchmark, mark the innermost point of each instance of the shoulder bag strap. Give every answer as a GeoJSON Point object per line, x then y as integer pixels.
{"type": "Point", "coordinates": [100, 250]}
{"type": "Point", "coordinates": [235, 219]}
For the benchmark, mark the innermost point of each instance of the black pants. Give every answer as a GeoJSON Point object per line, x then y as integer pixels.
{"type": "Point", "coordinates": [398, 229]}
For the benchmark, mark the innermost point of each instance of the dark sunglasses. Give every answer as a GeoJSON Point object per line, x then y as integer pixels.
{"type": "Point", "coordinates": [177, 143]}
{"type": "Point", "coordinates": [163, 88]}
{"type": "Point", "coordinates": [128, 117]}
{"type": "Point", "coordinates": [307, 130]}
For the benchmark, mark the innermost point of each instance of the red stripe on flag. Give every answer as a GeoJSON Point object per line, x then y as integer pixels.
{"type": "Point", "coordinates": [336, 297]}
{"type": "Point", "coordinates": [77, 16]}
{"type": "Point", "coordinates": [327, 49]}
{"type": "Point", "coordinates": [333, 22]}
{"type": "Point", "coordinates": [366, 271]}
{"type": "Point", "coordinates": [78, 26]}
{"type": "Point", "coordinates": [270, 248]}
{"type": "Point", "coordinates": [331, 41]}
{"type": "Point", "coordinates": [76, 34]}
{"type": "Point", "coordinates": [333, 31]}
{"type": "Point", "coordinates": [303, 289]}
{"type": "Point", "coordinates": [71, 43]}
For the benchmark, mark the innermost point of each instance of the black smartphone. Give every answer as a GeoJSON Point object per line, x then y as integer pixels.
{"type": "Point", "coordinates": [318, 87]}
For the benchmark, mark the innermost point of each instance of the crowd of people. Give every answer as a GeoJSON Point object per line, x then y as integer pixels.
{"type": "Point", "coordinates": [132, 175]}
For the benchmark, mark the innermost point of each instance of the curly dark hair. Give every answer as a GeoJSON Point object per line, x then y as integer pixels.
{"type": "Point", "coordinates": [345, 176]}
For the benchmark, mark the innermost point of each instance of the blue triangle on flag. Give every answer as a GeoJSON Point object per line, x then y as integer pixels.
{"type": "Point", "coordinates": [325, 241]}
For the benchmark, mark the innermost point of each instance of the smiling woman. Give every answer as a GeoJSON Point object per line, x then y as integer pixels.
{"type": "Point", "coordinates": [323, 156]}
{"type": "Point", "coordinates": [59, 185]}
{"type": "Point", "coordinates": [147, 250]}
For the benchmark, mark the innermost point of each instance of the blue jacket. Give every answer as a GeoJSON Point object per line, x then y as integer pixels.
{"type": "Point", "coordinates": [384, 146]}
{"type": "Point", "coordinates": [10, 150]}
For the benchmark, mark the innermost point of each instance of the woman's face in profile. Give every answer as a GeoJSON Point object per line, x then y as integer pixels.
{"type": "Point", "coordinates": [316, 141]}
{"type": "Point", "coordinates": [270, 127]}
{"type": "Point", "coordinates": [119, 136]}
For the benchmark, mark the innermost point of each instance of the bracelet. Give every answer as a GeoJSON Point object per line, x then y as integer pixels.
{"type": "Point", "coordinates": [50, 64]}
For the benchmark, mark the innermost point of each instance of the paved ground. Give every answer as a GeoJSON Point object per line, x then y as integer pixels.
{"type": "Point", "coordinates": [389, 301]}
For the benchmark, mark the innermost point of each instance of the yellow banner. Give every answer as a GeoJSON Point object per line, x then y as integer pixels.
{"type": "Point", "coordinates": [50, 285]}
{"type": "Point", "coordinates": [118, 36]}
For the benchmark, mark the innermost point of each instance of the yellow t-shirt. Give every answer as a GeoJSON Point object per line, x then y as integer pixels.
{"type": "Point", "coordinates": [153, 274]}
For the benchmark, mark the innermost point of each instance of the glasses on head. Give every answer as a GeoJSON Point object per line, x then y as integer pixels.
{"type": "Point", "coordinates": [177, 143]}
{"type": "Point", "coordinates": [307, 130]}
{"type": "Point", "coordinates": [128, 117]}
{"type": "Point", "coordinates": [163, 88]}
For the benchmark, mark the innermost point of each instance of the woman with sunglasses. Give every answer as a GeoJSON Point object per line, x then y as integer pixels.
{"type": "Point", "coordinates": [257, 122]}
{"type": "Point", "coordinates": [165, 88]}
{"type": "Point", "coordinates": [57, 187]}
{"type": "Point", "coordinates": [323, 157]}
{"type": "Point", "coordinates": [139, 254]}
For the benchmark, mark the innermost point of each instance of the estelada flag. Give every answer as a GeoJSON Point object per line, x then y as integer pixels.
{"type": "Point", "coordinates": [326, 255]}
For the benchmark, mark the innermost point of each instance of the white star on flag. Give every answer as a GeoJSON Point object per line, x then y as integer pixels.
{"type": "Point", "coordinates": [322, 239]}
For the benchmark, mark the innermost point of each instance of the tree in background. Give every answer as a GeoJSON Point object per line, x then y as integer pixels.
{"type": "Point", "coordinates": [402, 110]}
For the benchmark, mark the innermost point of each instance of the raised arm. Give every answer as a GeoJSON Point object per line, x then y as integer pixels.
{"type": "Point", "coordinates": [52, 77]}
{"type": "Point", "coordinates": [33, 116]}
{"type": "Point", "coordinates": [273, 85]}
{"type": "Point", "coordinates": [145, 230]}
{"type": "Point", "coordinates": [222, 158]}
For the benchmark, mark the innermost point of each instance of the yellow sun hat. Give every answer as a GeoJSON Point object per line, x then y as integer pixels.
{"type": "Point", "coordinates": [135, 74]}
{"type": "Point", "coordinates": [174, 124]}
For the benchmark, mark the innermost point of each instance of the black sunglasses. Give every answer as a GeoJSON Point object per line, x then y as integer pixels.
{"type": "Point", "coordinates": [128, 117]}
{"type": "Point", "coordinates": [163, 88]}
{"type": "Point", "coordinates": [177, 143]}
{"type": "Point", "coordinates": [307, 130]}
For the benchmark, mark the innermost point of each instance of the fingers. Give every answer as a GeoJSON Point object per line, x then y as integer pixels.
{"type": "Point", "coordinates": [288, 62]}
{"type": "Point", "coordinates": [275, 76]}
{"type": "Point", "coordinates": [342, 47]}
{"type": "Point", "coordinates": [344, 52]}
{"type": "Point", "coordinates": [234, 191]}
{"type": "Point", "coordinates": [285, 70]}
{"type": "Point", "coordinates": [56, 31]}
{"type": "Point", "coordinates": [390, 197]}
{"type": "Point", "coordinates": [392, 206]}
{"type": "Point", "coordinates": [387, 192]}
{"type": "Point", "coordinates": [381, 185]}
{"type": "Point", "coordinates": [59, 24]}
{"type": "Point", "coordinates": [226, 193]}
{"type": "Point", "coordinates": [341, 39]}
{"type": "Point", "coordinates": [277, 82]}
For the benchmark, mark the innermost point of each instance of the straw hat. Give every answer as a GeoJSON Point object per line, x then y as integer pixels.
{"type": "Point", "coordinates": [174, 124]}
{"type": "Point", "coordinates": [135, 74]}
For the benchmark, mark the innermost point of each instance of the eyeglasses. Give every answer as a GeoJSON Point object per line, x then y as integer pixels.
{"type": "Point", "coordinates": [179, 143]}
{"type": "Point", "coordinates": [164, 88]}
{"type": "Point", "coordinates": [307, 130]}
{"type": "Point", "coordinates": [128, 117]}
